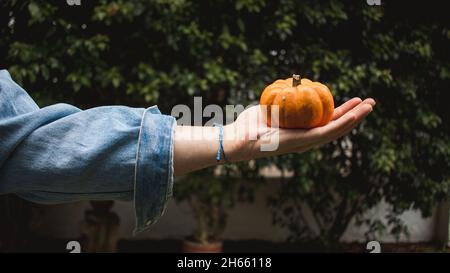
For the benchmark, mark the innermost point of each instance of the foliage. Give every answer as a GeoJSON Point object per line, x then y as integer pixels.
{"type": "Point", "coordinates": [164, 52]}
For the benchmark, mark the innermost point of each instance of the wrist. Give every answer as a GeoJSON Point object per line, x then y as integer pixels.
{"type": "Point", "coordinates": [234, 144]}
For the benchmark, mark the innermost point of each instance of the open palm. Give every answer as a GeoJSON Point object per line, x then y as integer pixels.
{"type": "Point", "coordinates": [251, 135]}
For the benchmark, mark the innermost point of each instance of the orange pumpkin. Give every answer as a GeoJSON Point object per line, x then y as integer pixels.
{"type": "Point", "coordinates": [302, 103]}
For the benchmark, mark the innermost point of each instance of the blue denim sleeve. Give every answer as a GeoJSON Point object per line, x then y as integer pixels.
{"type": "Point", "coordinates": [60, 153]}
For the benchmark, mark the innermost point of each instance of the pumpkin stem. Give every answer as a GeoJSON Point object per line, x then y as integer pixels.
{"type": "Point", "coordinates": [295, 80]}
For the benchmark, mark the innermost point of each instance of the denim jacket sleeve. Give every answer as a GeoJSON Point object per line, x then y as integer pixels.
{"type": "Point", "coordinates": [60, 153]}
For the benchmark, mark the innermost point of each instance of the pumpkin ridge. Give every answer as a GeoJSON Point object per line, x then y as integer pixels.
{"type": "Point", "coordinates": [312, 97]}
{"type": "Point", "coordinates": [326, 101]}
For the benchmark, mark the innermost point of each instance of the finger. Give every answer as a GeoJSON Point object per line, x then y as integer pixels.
{"type": "Point", "coordinates": [317, 142]}
{"type": "Point", "coordinates": [332, 127]}
{"type": "Point", "coordinates": [359, 116]}
{"type": "Point", "coordinates": [370, 101]}
{"type": "Point", "coordinates": [350, 105]}
{"type": "Point", "coordinates": [361, 111]}
{"type": "Point", "coordinates": [361, 108]}
{"type": "Point", "coordinates": [307, 138]}
{"type": "Point", "coordinates": [327, 132]}
{"type": "Point", "coordinates": [344, 108]}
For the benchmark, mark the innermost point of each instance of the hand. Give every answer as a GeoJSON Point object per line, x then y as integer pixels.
{"type": "Point", "coordinates": [244, 137]}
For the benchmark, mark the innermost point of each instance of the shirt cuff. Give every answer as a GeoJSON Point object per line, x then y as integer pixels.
{"type": "Point", "coordinates": [153, 180]}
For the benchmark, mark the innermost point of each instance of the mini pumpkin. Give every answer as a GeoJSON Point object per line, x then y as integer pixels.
{"type": "Point", "coordinates": [302, 103]}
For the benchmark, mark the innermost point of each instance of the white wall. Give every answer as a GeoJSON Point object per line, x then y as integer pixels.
{"type": "Point", "coordinates": [420, 229]}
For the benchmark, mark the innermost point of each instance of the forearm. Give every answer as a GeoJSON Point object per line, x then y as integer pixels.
{"type": "Point", "coordinates": [196, 147]}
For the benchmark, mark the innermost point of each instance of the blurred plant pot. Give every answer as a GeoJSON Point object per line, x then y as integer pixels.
{"type": "Point", "coordinates": [100, 228]}
{"type": "Point", "coordinates": [190, 246]}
